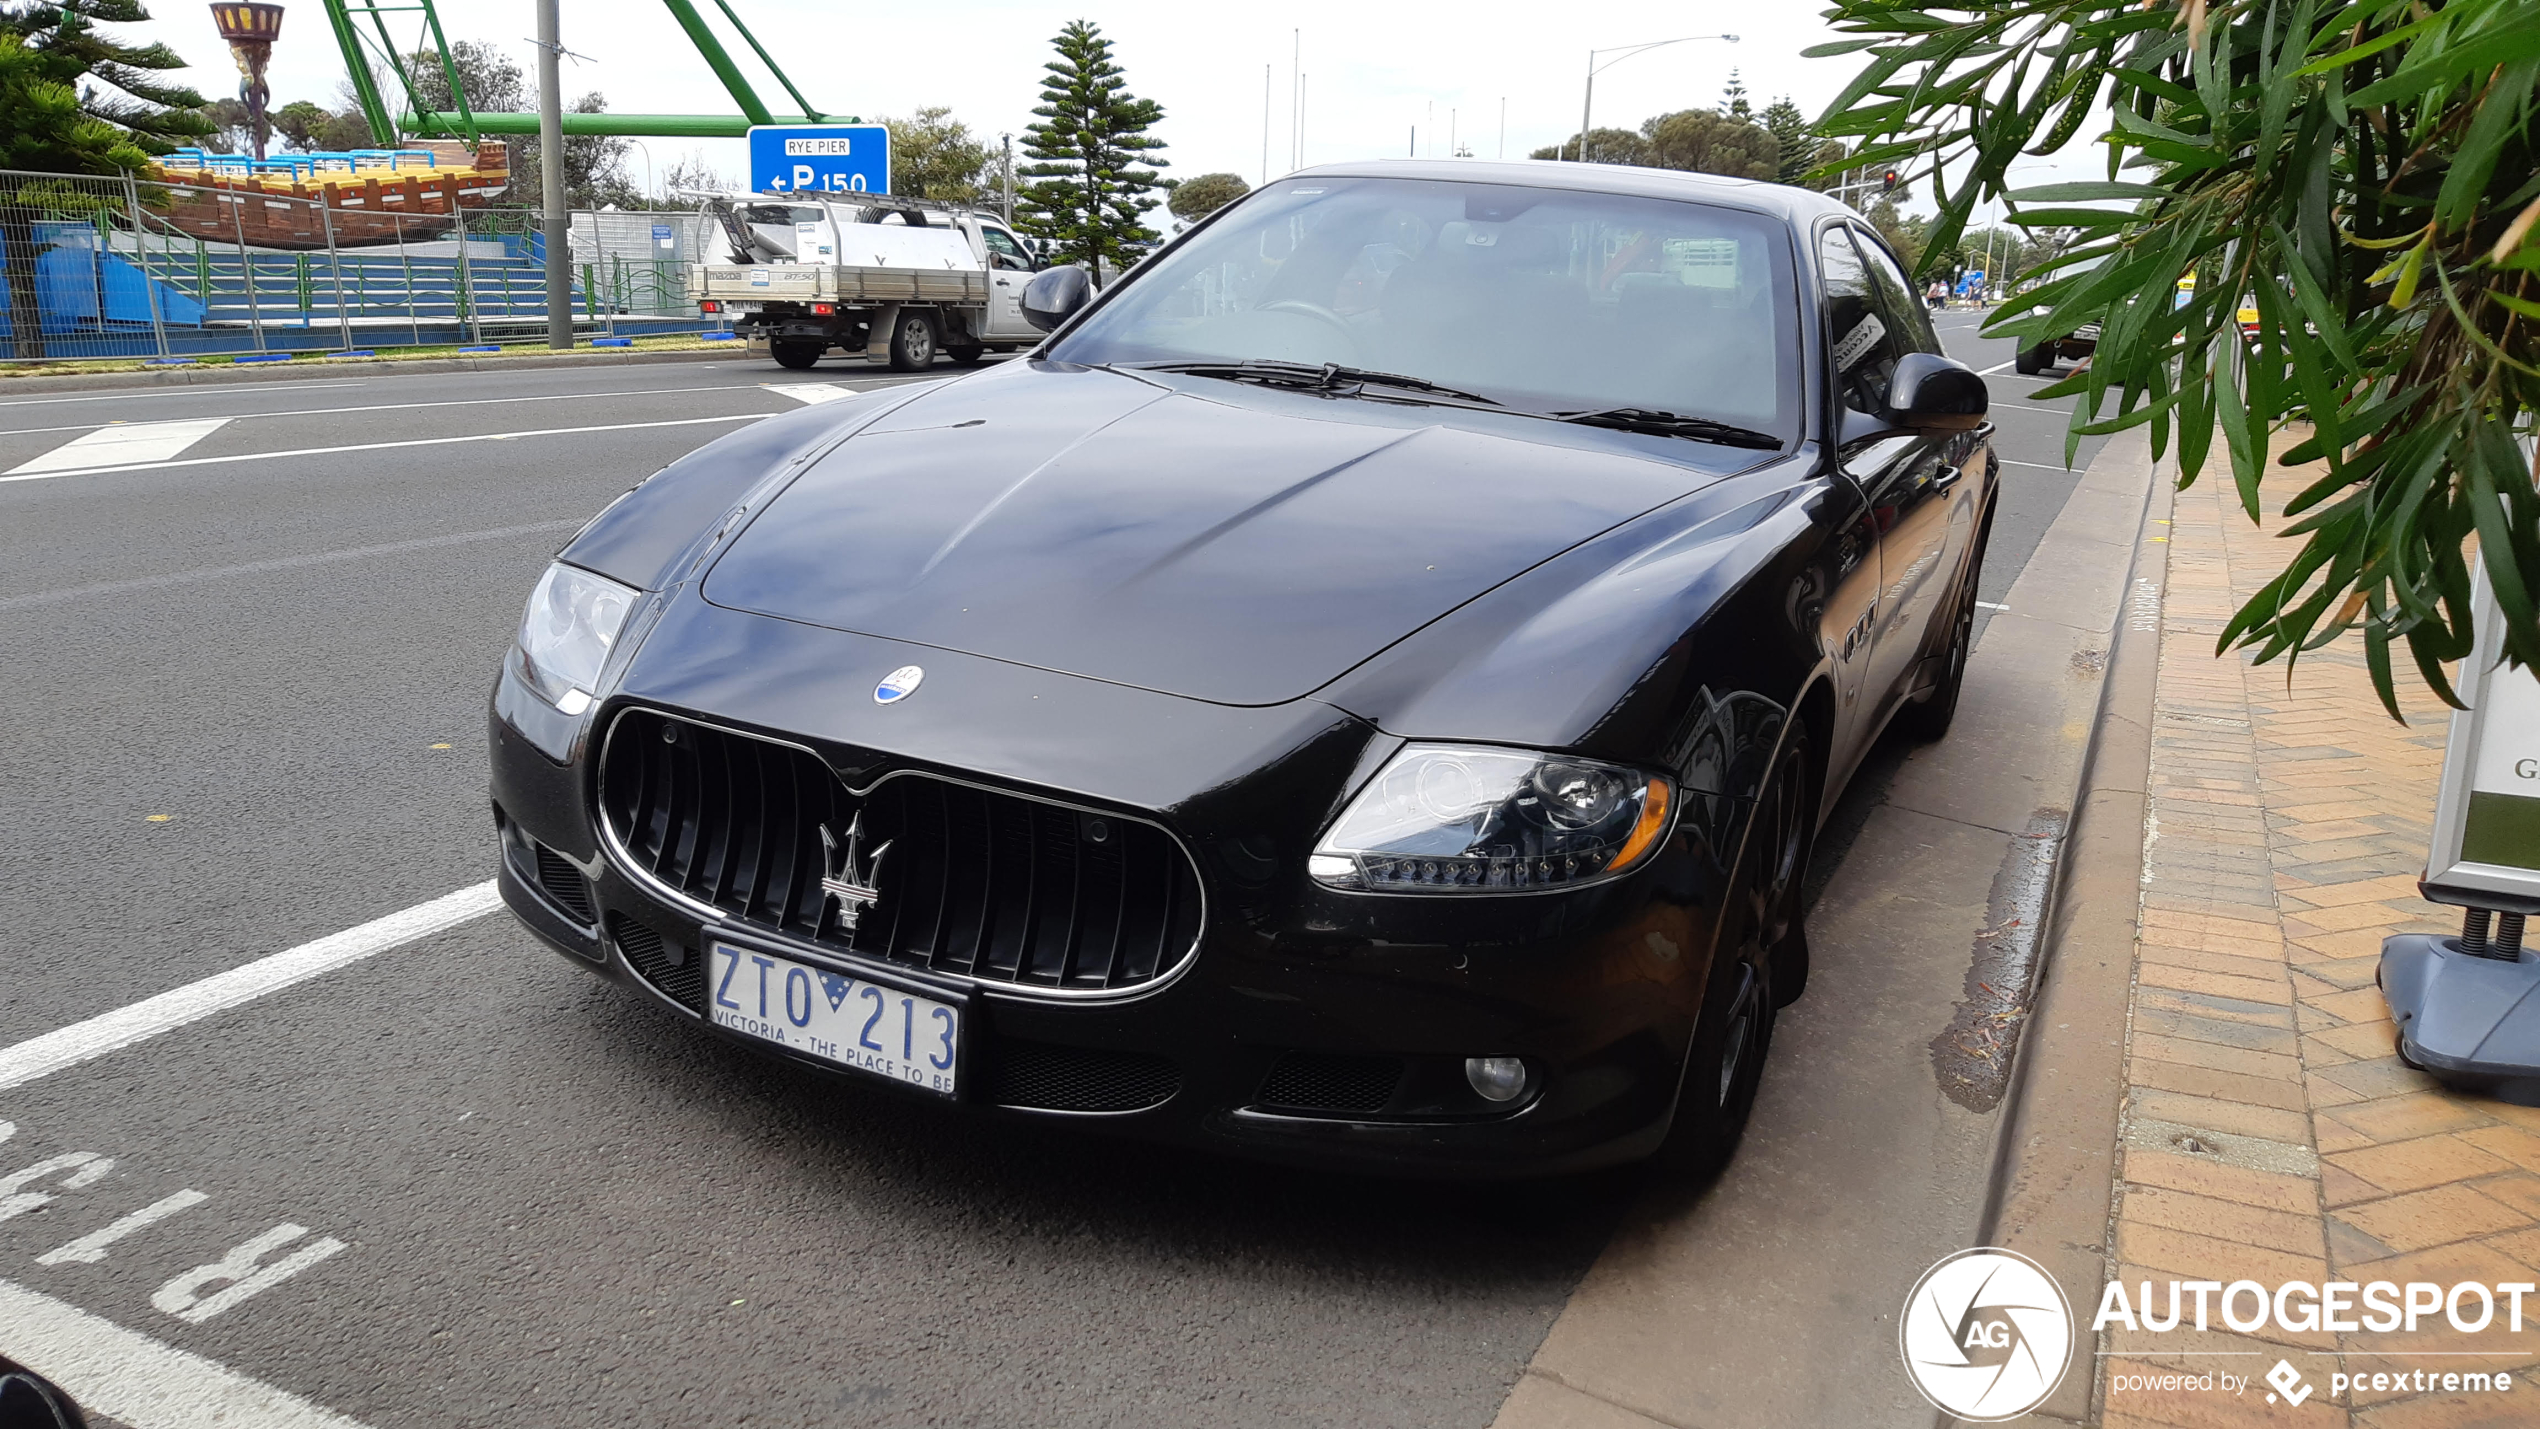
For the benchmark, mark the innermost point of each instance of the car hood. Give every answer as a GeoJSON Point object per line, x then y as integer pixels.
{"type": "Point", "coordinates": [1231, 544]}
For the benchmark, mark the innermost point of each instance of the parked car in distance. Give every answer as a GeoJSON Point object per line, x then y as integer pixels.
{"type": "Point", "coordinates": [1282, 714]}
{"type": "Point", "coordinates": [2076, 346]}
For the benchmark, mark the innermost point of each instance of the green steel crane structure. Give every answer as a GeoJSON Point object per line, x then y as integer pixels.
{"type": "Point", "coordinates": [362, 33]}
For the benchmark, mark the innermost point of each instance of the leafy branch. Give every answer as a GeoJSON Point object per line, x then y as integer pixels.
{"type": "Point", "coordinates": [2352, 186]}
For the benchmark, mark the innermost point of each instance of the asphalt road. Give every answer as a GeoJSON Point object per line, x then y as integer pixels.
{"type": "Point", "coordinates": [245, 685]}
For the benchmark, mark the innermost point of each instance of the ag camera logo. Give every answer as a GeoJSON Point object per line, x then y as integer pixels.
{"type": "Point", "coordinates": [1986, 1334]}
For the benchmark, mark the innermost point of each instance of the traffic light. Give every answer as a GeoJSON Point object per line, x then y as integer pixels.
{"type": "Point", "coordinates": [1890, 180]}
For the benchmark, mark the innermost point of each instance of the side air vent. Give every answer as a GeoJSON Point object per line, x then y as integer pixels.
{"type": "Point", "coordinates": [1322, 1083]}
{"type": "Point", "coordinates": [1042, 1076]}
{"type": "Point", "coordinates": [563, 882]}
{"type": "Point", "coordinates": [677, 971]}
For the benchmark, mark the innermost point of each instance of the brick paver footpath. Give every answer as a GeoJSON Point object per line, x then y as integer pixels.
{"type": "Point", "coordinates": [2270, 1132]}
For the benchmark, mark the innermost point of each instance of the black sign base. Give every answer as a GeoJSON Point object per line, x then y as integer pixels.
{"type": "Point", "coordinates": [2471, 1022]}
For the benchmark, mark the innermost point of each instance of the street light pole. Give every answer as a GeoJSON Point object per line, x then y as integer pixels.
{"type": "Point", "coordinates": [1587, 102]}
{"type": "Point", "coordinates": [551, 180]}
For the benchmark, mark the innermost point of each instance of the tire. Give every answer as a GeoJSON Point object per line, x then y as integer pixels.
{"type": "Point", "coordinates": [913, 343]}
{"type": "Point", "coordinates": [1763, 941]}
{"type": "Point", "coordinates": [966, 355]}
{"type": "Point", "coordinates": [1929, 720]}
{"type": "Point", "coordinates": [797, 353]}
{"type": "Point", "coordinates": [2032, 360]}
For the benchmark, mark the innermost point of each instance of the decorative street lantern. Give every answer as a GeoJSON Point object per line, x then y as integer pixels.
{"type": "Point", "coordinates": [251, 30]}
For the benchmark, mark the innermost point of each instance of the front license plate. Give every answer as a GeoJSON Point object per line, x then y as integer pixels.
{"type": "Point", "coordinates": [854, 1023]}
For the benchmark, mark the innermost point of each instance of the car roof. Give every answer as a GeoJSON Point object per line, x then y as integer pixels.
{"type": "Point", "coordinates": [1794, 205]}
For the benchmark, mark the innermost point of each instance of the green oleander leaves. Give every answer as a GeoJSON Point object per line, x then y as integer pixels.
{"type": "Point", "coordinates": [2309, 247]}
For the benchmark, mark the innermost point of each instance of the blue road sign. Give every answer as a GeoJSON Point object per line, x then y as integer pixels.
{"type": "Point", "coordinates": [827, 158]}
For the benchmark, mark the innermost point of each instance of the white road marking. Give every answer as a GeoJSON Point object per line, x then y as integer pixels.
{"type": "Point", "coordinates": [1992, 605]}
{"type": "Point", "coordinates": [420, 406]}
{"type": "Point", "coordinates": [2006, 461]}
{"type": "Point", "coordinates": [135, 1379]}
{"type": "Point", "coordinates": [240, 1272]}
{"type": "Point", "coordinates": [389, 446]}
{"type": "Point", "coordinates": [809, 391]}
{"type": "Point", "coordinates": [122, 446]}
{"type": "Point", "coordinates": [139, 1021]}
{"type": "Point", "coordinates": [91, 1248]}
{"type": "Point", "coordinates": [19, 1200]}
{"type": "Point", "coordinates": [1999, 366]}
{"type": "Point", "coordinates": [162, 393]}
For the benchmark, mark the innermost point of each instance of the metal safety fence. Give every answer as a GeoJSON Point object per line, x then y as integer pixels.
{"type": "Point", "coordinates": [99, 267]}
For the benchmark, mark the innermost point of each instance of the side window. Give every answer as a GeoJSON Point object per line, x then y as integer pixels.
{"type": "Point", "coordinates": [1863, 349]}
{"type": "Point", "coordinates": [1910, 317]}
{"type": "Point", "coordinates": [1003, 251]}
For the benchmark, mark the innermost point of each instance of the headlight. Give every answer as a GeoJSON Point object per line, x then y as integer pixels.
{"type": "Point", "coordinates": [573, 618]}
{"type": "Point", "coordinates": [1460, 819]}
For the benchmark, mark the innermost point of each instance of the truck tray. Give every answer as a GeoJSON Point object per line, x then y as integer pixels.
{"type": "Point", "coordinates": [834, 283]}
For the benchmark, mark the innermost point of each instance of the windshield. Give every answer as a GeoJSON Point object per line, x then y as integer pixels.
{"type": "Point", "coordinates": [1541, 299]}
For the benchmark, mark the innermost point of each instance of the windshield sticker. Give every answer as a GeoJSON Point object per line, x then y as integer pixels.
{"type": "Point", "coordinates": [1860, 343]}
{"type": "Point", "coordinates": [1309, 191]}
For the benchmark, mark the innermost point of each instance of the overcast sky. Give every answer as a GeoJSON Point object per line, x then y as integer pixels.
{"type": "Point", "coordinates": [1373, 70]}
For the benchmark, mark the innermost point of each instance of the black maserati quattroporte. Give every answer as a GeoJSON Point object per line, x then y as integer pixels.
{"type": "Point", "coordinates": [1361, 692]}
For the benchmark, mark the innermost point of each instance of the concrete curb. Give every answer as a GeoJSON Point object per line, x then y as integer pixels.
{"type": "Point", "coordinates": [298, 369]}
{"type": "Point", "coordinates": [2053, 1188]}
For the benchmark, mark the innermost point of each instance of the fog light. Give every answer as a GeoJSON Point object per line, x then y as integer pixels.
{"type": "Point", "coordinates": [1496, 1079]}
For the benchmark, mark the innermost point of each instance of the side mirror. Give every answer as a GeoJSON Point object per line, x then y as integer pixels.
{"type": "Point", "coordinates": [1060, 293]}
{"type": "Point", "coordinates": [1935, 394]}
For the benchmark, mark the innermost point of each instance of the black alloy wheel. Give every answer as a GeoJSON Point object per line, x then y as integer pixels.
{"type": "Point", "coordinates": [796, 353]}
{"type": "Point", "coordinates": [913, 343]}
{"type": "Point", "coordinates": [1930, 720]}
{"type": "Point", "coordinates": [1762, 926]}
{"type": "Point", "coordinates": [1780, 900]}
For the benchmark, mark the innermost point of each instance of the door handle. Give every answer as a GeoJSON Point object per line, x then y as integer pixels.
{"type": "Point", "coordinates": [1947, 477]}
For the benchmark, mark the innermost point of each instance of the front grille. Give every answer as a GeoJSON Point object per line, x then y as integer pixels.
{"type": "Point", "coordinates": [1046, 1077]}
{"type": "Point", "coordinates": [1323, 1082]}
{"type": "Point", "coordinates": [563, 882]}
{"type": "Point", "coordinates": [676, 970]}
{"type": "Point", "coordinates": [971, 882]}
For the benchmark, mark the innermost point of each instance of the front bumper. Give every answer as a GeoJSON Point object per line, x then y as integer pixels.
{"type": "Point", "coordinates": [1596, 989]}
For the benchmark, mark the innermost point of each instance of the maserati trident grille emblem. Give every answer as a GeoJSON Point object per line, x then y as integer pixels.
{"type": "Point", "coordinates": [850, 879]}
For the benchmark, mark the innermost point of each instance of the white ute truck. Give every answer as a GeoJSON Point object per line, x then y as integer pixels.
{"type": "Point", "coordinates": [896, 280]}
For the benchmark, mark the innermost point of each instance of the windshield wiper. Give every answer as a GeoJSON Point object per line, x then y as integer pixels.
{"type": "Point", "coordinates": [1672, 424]}
{"type": "Point", "coordinates": [1326, 377]}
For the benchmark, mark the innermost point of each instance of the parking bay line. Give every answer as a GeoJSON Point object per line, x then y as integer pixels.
{"type": "Point", "coordinates": [425, 406]}
{"type": "Point", "coordinates": [137, 1022]}
{"type": "Point", "coordinates": [386, 446]}
{"type": "Point", "coordinates": [139, 1381]}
